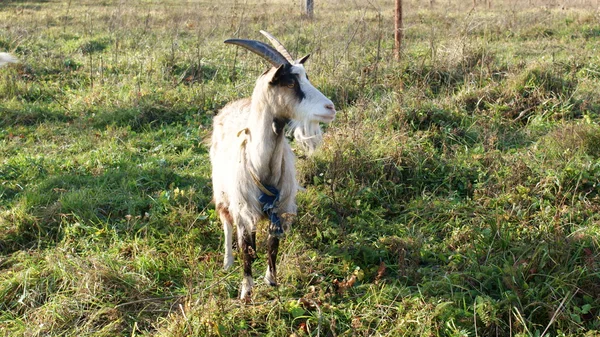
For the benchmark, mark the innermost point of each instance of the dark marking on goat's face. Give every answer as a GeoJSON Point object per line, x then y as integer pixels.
{"type": "Point", "coordinates": [285, 78]}
{"type": "Point", "coordinates": [288, 91]}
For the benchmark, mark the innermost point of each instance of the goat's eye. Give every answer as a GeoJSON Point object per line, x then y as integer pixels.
{"type": "Point", "coordinates": [291, 85]}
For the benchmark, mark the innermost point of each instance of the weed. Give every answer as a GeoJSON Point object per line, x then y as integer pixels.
{"type": "Point", "coordinates": [456, 193]}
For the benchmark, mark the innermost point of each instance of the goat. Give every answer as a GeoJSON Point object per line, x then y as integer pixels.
{"type": "Point", "coordinates": [252, 159]}
{"type": "Point", "coordinates": [7, 58]}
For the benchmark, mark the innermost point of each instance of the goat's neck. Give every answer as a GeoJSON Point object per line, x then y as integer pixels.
{"type": "Point", "coordinates": [265, 146]}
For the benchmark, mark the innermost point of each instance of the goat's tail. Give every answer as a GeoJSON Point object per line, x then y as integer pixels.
{"type": "Point", "coordinates": [7, 58]}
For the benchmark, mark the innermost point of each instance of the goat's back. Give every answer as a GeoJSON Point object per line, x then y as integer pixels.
{"type": "Point", "coordinates": [225, 147]}
{"type": "Point", "coordinates": [230, 120]}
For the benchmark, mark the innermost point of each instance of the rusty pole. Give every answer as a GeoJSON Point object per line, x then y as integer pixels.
{"type": "Point", "coordinates": [398, 30]}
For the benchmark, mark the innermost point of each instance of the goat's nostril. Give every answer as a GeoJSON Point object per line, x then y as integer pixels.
{"type": "Point", "coordinates": [330, 107]}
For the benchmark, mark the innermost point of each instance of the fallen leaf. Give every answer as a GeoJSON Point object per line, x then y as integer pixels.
{"type": "Point", "coordinates": [343, 286]}
{"type": "Point", "coordinates": [380, 272]}
{"type": "Point", "coordinates": [308, 304]}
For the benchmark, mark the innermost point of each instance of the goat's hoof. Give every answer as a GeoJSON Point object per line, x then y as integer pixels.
{"type": "Point", "coordinates": [227, 263]}
{"type": "Point", "coordinates": [246, 289]}
{"type": "Point", "coordinates": [246, 298]}
{"type": "Point", "coordinates": [271, 280]}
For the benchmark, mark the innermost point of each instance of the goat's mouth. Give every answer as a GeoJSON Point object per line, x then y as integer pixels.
{"type": "Point", "coordinates": [325, 118]}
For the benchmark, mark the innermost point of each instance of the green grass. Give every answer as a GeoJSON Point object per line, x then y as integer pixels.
{"type": "Point", "coordinates": [456, 194]}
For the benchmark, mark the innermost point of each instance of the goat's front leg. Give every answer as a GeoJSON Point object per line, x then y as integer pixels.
{"type": "Point", "coordinates": [272, 250]}
{"type": "Point", "coordinates": [248, 248]}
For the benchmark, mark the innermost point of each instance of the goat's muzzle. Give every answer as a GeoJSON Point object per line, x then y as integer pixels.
{"type": "Point", "coordinates": [329, 114]}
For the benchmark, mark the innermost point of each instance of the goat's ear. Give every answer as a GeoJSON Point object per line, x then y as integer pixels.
{"type": "Point", "coordinates": [278, 74]}
{"type": "Point", "coordinates": [302, 60]}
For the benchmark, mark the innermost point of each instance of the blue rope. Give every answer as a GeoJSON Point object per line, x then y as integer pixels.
{"type": "Point", "coordinates": [269, 204]}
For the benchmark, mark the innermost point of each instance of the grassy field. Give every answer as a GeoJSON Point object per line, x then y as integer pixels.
{"type": "Point", "coordinates": [456, 194]}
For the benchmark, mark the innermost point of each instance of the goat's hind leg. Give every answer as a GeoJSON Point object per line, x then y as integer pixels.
{"type": "Point", "coordinates": [227, 221]}
{"type": "Point", "coordinates": [248, 248]}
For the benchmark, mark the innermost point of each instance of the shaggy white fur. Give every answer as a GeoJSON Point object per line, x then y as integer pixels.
{"type": "Point", "coordinates": [7, 58]}
{"type": "Point", "coordinates": [245, 142]}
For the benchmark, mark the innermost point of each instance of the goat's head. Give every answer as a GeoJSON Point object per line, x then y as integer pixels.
{"type": "Point", "coordinates": [286, 86]}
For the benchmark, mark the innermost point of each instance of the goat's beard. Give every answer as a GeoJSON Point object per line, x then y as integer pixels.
{"type": "Point", "coordinates": [308, 134]}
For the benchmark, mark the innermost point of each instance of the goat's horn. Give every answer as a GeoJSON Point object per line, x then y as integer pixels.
{"type": "Point", "coordinates": [280, 48]}
{"type": "Point", "coordinates": [261, 49]}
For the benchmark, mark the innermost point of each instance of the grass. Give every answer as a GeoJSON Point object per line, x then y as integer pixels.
{"type": "Point", "coordinates": [456, 194]}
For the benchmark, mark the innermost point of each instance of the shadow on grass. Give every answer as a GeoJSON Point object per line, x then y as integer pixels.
{"type": "Point", "coordinates": [149, 114]}
{"type": "Point", "coordinates": [459, 252]}
{"type": "Point", "coordinates": [138, 118]}
{"type": "Point", "coordinates": [33, 114]}
{"type": "Point", "coordinates": [468, 230]}
{"type": "Point", "coordinates": [124, 199]}
{"type": "Point", "coordinates": [150, 221]}
{"type": "Point", "coordinates": [19, 3]}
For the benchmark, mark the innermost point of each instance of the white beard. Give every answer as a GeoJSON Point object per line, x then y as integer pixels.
{"type": "Point", "coordinates": [308, 134]}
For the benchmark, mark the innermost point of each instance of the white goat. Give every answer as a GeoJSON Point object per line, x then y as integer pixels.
{"type": "Point", "coordinates": [251, 157]}
{"type": "Point", "coordinates": [7, 58]}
